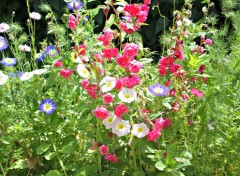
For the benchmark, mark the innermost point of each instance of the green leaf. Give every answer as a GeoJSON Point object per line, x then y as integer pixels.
{"type": "Point", "coordinates": [161, 24]}
{"type": "Point", "coordinates": [176, 173]}
{"type": "Point", "coordinates": [42, 148]}
{"type": "Point", "coordinates": [68, 149]}
{"type": "Point", "coordinates": [110, 21]}
{"type": "Point", "coordinates": [20, 164]}
{"type": "Point", "coordinates": [160, 166]}
{"type": "Point", "coordinates": [106, 173]}
{"type": "Point", "coordinates": [54, 173]}
{"type": "Point", "coordinates": [50, 155]}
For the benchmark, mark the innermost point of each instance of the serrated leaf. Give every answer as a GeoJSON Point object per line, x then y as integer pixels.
{"type": "Point", "coordinates": [42, 148]}
{"type": "Point", "coordinates": [160, 166]}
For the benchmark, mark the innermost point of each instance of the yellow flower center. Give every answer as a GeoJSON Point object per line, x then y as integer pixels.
{"type": "Point", "coordinates": [110, 120]}
{"type": "Point", "coordinates": [84, 71]}
{"type": "Point", "coordinates": [120, 126]}
{"type": "Point", "coordinates": [47, 106]}
{"type": "Point", "coordinates": [158, 90]}
{"type": "Point", "coordinates": [9, 61]}
{"type": "Point", "coordinates": [127, 96]}
{"type": "Point", "coordinates": [140, 129]}
{"type": "Point", "coordinates": [108, 84]}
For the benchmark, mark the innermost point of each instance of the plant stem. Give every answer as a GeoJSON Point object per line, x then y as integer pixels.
{"type": "Point", "coordinates": [98, 154]}
{"type": "Point", "coordinates": [4, 174]}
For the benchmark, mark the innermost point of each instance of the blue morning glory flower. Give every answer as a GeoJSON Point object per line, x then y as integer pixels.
{"type": "Point", "coordinates": [51, 51]}
{"type": "Point", "coordinates": [9, 61]}
{"type": "Point", "coordinates": [47, 106]}
{"type": "Point", "coordinates": [40, 57]}
{"type": "Point", "coordinates": [74, 5]}
{"type": "Point", "coordinates": [3, 44]}
{"type": "Point", "coordinates": [158, 89]}
{"type": "Point", "coordinates": [19, 74]}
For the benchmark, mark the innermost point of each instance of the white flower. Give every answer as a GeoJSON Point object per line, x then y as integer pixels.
{"type": "Point", "coordinates": [83, 71]}
{"type": "Point", "coordinates": [39, 71]}
{"type": "Point", "coordinates": [78, 60]}
{"type": "Point", "coordinates": [108, 83]}
{"type": "Point", "coordinates": [140, 130]}
{"type": "Point", "coordinates": [121, 127]}
{"type": "Point", "coordinates": [4, 27]}
{"type": "Point", "coordinates": [35, 16]}
{"type": "Point", "coordinates": [179, 23]}
{"type": "Point", "coordinates": [187, 22]}
{"type": "Point", "coordinates": [127, 95]}
{"type": "Point", "coordinates": [3, 78]}
{"type": "Point", "coordinates": [108, 122]}
{"type": "Point", "coordinates": [24, 48]}
{"type": "Point", "coordinates": [26, 76]}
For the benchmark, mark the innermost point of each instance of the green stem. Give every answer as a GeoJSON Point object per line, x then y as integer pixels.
{"type": "Point", "coordinates": [139, 153]}
{"type": "Point", "coordinates": [4, 174]}
{"type": "Point", "coordinates": [134, 158]}
{"type": "Point", "coordinates": [98, 154]}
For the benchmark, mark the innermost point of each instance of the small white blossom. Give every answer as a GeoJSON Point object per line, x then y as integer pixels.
{"type": "Point", "coordinates": [35, 16]}
{"type": "Point", "coordinates": [140, 130]}
{"type": "Point", "coordinates": [179, 23]}
{"type": "Point", "coordinates": [127, 95]}
{"type": "Point", "coordinates": [108, 83]}
{"type": "Point", "coordinates": [4, 27]}
{"type": "Point", "coordinates": [187, 22]}
{"type": "Point", "coordinates": [26, 76]}
{"type": "Point", "coordinates": [24, 48]}
{"type": "Point", "coordinates": [121, 127]}
{"type": "Point", "coordinates": [108, 122]}
{"type": "Point", "coordinates": [83, 71]}
{"type": "Point", "coordinates": [3, 78]}
{"type": "Point", "coordinates": [39, 71]}
{"type": "Point", "coordinates": [78, 60]}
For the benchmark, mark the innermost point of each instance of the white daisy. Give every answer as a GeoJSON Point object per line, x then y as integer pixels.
{"type": "Point", "coordinates": [83, 71]}
{"type": "Point", "coordinates": [127, 95]}
{"type": "Point", "coordinates": [140, 130]}
{"type": "Point", "coordinates": [4, 27]}
{"type": "Point", "coordinates": [3, 78]}
{"type": "Point", "coordinates": [108, 83]}
{"type": "Point", "coordinates": [121, 127]}
{"type": "Point", "coordinates": [108, 122]}
{"type": "Point", "coordinates": [35, 16]}
{"type": "Point", "coordinates": [39, 71]}
{"type": "Point", "coordinates": [24, 48]}
{"type": "Point", "coordinates": [26, 76]}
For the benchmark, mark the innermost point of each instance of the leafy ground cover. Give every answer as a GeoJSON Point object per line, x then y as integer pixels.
{"type": "Point", "coordinates": [97, 104]}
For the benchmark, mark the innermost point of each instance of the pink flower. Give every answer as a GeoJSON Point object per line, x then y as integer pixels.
{"type": "Point", "coordinates": [174, 68]}
{"type": "Point", "coordinates": [120, 109]}
{"type": "Point", "coordinates": [107, 98]}
{"type": "Point", "coordinates": [72, 22]}
{"type": "Point", "coordinates": [122, 61]}
{"type": "Point", "coordinates": [159, 124]}
{"type": "Point", "coordinates": [201, 69]}
{"type": "Point", "coordinates": [153, 135]}
{"type": "Point", "coordinates": [134, 66]}
{"type": "Point", "coordinates": [66, 73]}
{"type": "Point", "coordinates": [175, 106]}
{"type": "Point", "coordinates": [168, 83]}
{"type": "Point", "coordinates": [58, 64]}
{"type": "Point", "coordinates": [111, 157]}
{"type": "Point", "coordinates": [106, 37]}
{"type": "Point", "coordinates": [132, 10]}
{"type": "Point", "coordinates": [172, 92]}
{"type": "Point", "coordinates": [147, 2]}
{"type": "Point", "coordinates": [208, 42]}
{"type": "Point", "coordinates": [119, 84]}
{"type": "Point", "coordinates": [167, 123]}
{"type": "Point", "coordinates": [197, 93]}
{"type": "Point", "coordinates": [101, 112]}
{"type": "Point", "coordinates": [130, 50]}
{"type": "Point", "coordinates": [110, 52]}
{"type": "Point", "coordinates": [132, 81]}
{"type": "Point", "coordinates": [103, 150]}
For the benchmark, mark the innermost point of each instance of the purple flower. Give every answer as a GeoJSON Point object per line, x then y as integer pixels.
{"type": "Point", "coordinates": [51, 51]}
{"type": "Point", "coordinates": [19, 74]}
{"type": "Point", "coordinates": [3, 44]}
{"type": "Point", "coordinates": [9, 61]}
{"type": "Point", "coordinates": [74, 5]}
{"type": "Point", "coordinates": [40, 57]}
{"type": "Point", "coordinates": [158, 89]}
{"type": "Point", "coordinates": [47, 106]}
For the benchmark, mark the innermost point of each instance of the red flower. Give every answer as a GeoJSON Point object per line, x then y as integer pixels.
{"type": "Point", "coordinates": [107, 98]}
{"type": "Point", "coordinates": [153, 135]}
{"type": "Point", "coordinates": [101, 112]}
{"type": "Point", "coordinates": [122, 61]}
{"type": "Point", "coordinates": [110, 52]}
{"type": "Point", "coordinates": [72, 22]}
{"type": "Point", "coordinates": [132, 10]}
{"type": "Point", "coordinates": [167, 123]}
{"type": "Point", "coordinates": [66, 73]}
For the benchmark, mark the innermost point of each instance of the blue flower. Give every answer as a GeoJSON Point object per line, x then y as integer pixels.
{"type": "Point", "coordinates": [19, 74]}
{"type": "Point", "coordinates": [3, 44]}
{"type": "Point", "coordinates": [51, 51]}
{"type": "Point", "coordinates": [47, 106]}
{"type": "Point", "coordinates": [40, 57]}
{"type": "Point", "coordinates": [158, 89]}
{"type": "Point", "coordinates": [12, 75]}
{"type": "Point", "coordinates": [74, 5]}
{"type": "Point", "coordinates": [9, 61]}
